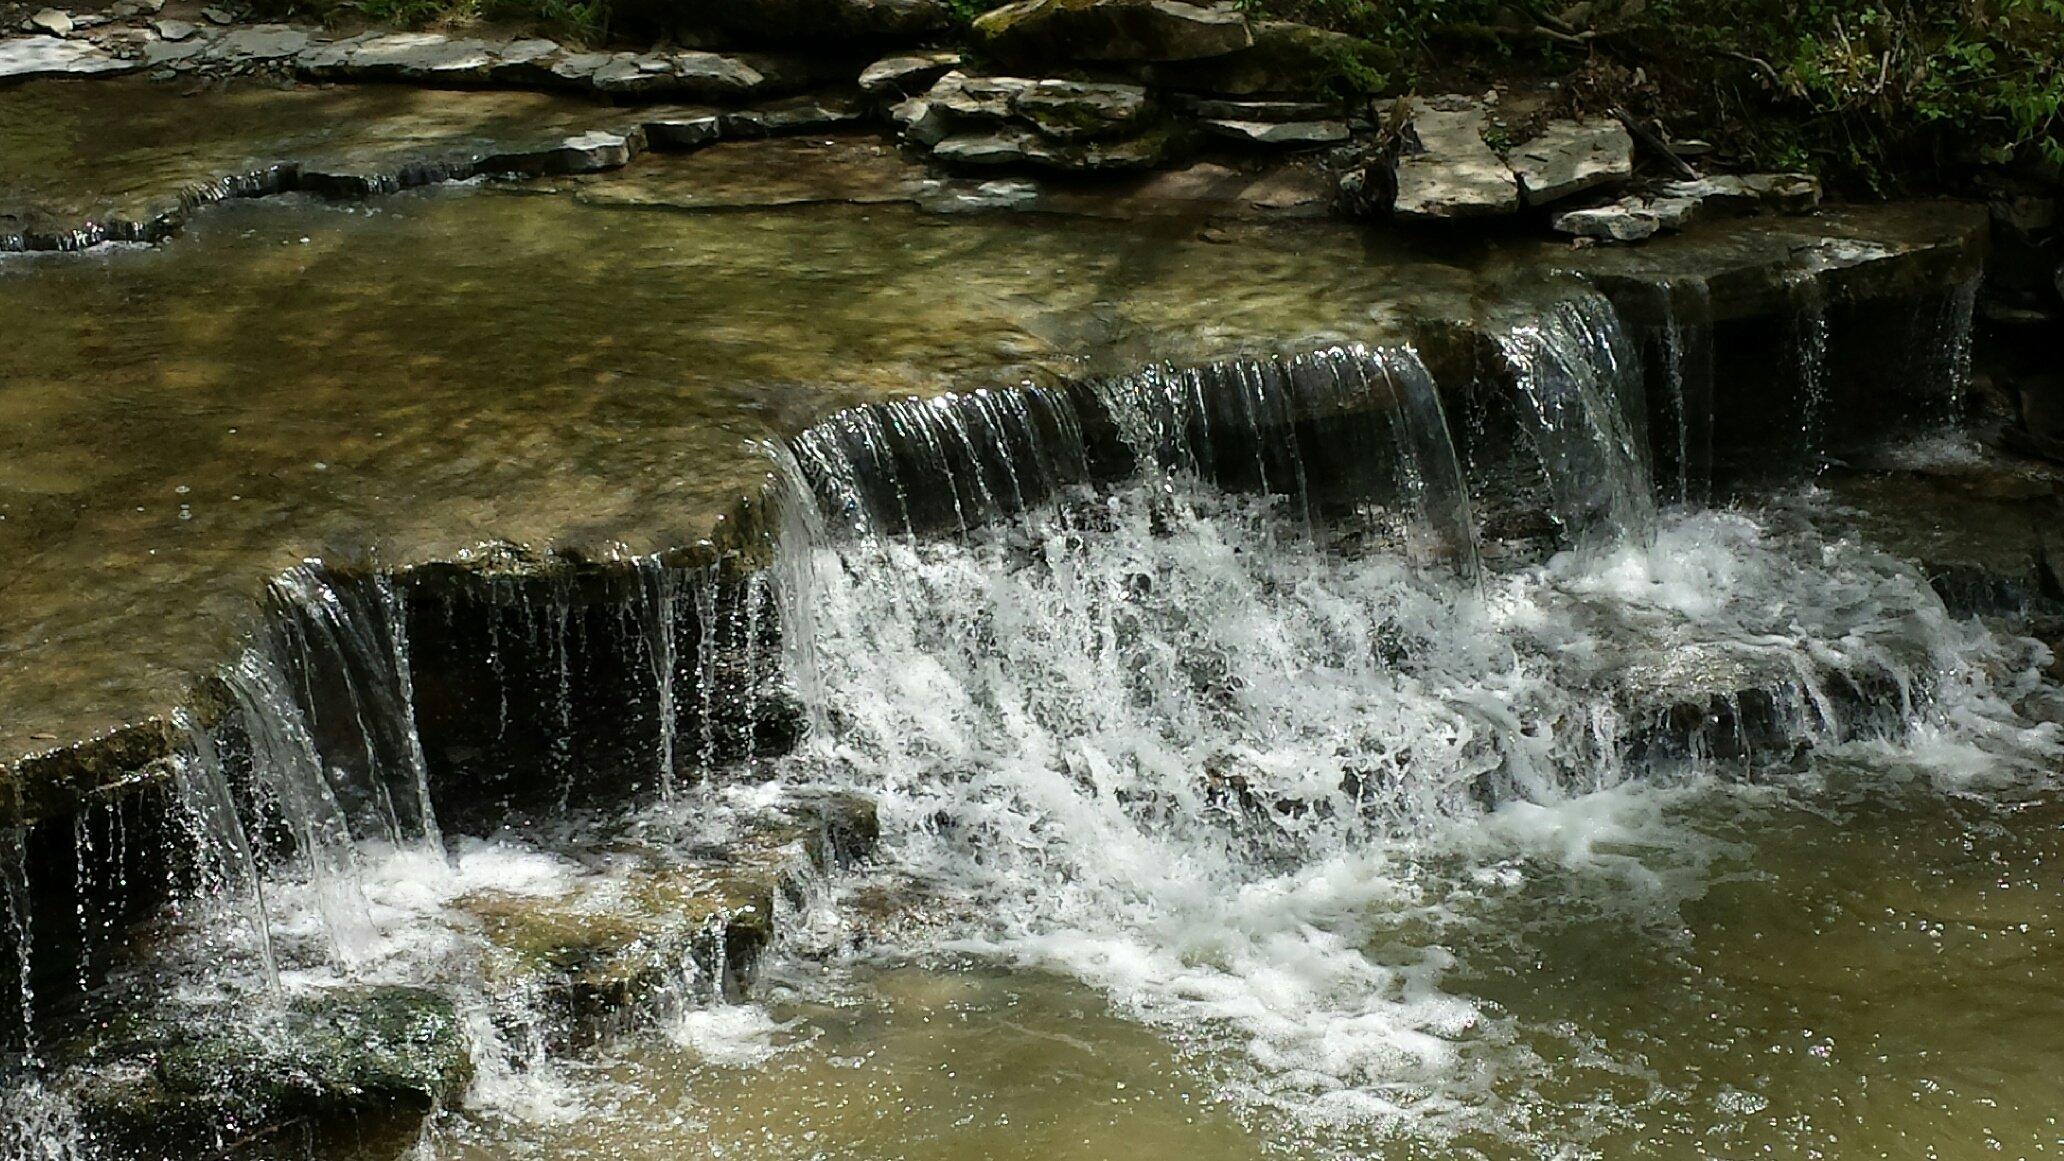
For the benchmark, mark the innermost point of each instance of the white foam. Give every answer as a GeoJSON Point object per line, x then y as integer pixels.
{"type": "Point", "coordinates": [1214, 771]}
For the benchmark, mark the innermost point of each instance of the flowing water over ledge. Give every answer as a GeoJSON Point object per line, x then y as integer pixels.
{"type": "Point", "coordinates": [1333, 749]}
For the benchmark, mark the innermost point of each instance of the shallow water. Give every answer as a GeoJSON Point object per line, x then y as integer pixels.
{"type": "Point", "coordinates": [428, 372]}
{"type": "Point", "coordinates": [1852, 965]}
{"type": "Point", "coordinates": [1186, 869]}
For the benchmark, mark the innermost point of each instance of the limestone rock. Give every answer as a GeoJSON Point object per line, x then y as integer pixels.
{"type": "Point", "coordinates": [1285, 58]}
{"type": "Point", "coordinates": [1076, 110]}
{"type": "Point", "coordinates": [1060, 31]}
{"type": "Point", "coordinates": [1286, 133]}
{"type": "Point", "coordinates": [1786, 192]}
{"type": "Point", "coordinates": [794, 115]}
{"type": "Point", "coordinates": [1572, 157]}
{"type": "Point", "coordinates": [55, 21]}
{"type": "Point", "coordinates": [921, 122]}
{"type": "Point", "coordinates": [591, 152]}
{"type": "Point", "coordinates": [1019, 146]}
{"type": "Point", "coordinates": [50, 56]}
{"type": "Point", "coordinates": [894, 75]}
{"type": "Point", "coordinates": [1675, 205]}
{"type": "Point", "coordinates": [686, 129]}
{"type": "Point", "coordinates": [259, 42]}
{"type": "Point", "coordinates": [420, 56]}
{"type": "Point", "coordinates": [174, 30]}
{"type": "Point", "coordinates": [1628, 221]}
{"type": "Point", "coordinates": [525, 62]}
{"type": "Point", "coordinates": [1064, 110]}
{"type": "Point", "coordinates": [1447, 170]}
{"type": "Point", "coordinates": [356, 1060]}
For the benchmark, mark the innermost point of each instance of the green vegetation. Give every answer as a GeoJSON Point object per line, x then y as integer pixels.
{"type": "Point", "coordinates": [1858, 89]}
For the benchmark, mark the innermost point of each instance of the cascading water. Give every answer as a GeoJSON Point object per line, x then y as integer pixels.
{"type": "Point", "coordinates": [1141, 736]}
{"type": "Point", "coordinates": [1581, 405]}
{"type": "Point", "coordinates": [1192, 685]}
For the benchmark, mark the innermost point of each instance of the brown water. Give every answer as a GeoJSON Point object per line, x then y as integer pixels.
{"type": "Point", "coordinates": [1846, 969]}
{"type": "Point", "coordinates": [428, 372]}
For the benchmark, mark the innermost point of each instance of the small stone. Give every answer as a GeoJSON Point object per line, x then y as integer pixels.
{"type": "Point", "coordinates": [174, 30]}
{"type": "Point", "coordinates": [217, 16]}
{"type": "Point", "coordinates": [894, 75]}
{"type": "Point", "coordinates": [55, 21]}
{"type": "Point", "coordinates": [1285, 133]}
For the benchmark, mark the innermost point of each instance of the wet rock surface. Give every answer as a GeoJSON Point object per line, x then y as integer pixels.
{"type": "Point", "coordinates": [358, 1062]}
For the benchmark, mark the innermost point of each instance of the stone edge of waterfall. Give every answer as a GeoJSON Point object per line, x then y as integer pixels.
{"type": "Point", "coordinates": [1944, 251]}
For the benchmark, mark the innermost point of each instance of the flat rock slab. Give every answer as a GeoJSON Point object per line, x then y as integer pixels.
{"type": "Point", "coordinates": [1284, 133]}
{"type": "Point", "coordinates": [23, 58]}
{"type": "Point", "coordinates": [907, 74]}
{"type": "Point", "coordinates": [1449, 171]}
{"type": "Point", "coordinates": [1572, 157]}
{"type": "Point", "coordinates": [123, 161]}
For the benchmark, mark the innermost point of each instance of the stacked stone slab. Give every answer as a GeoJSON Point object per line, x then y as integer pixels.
{"type": "Point", "coordinates": [1445, 167]}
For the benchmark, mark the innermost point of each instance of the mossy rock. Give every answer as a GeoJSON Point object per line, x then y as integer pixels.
{"type": "Point", "coordinates": [359, 1064]}
{"type": "Point", "coordinates": [619, 941]}
{"type": "Point", "coordinates": [1288, 58]}
{"type": "Point", "coordinates": [1060, 32]}
{"type": "Point", "coordinates": [855, 24]}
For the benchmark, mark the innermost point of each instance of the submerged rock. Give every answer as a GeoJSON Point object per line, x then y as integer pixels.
{"type": "Point", "coordinates": [664, 922]}
{"type": "Point", "coordinates": [1572, 157]}
{"type": "Point", "coordinates": [1059, 31]}
{"type": "Point", "coordinates": [1446, 169]}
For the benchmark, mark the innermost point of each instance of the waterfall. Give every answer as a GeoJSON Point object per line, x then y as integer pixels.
{"type": "Point", "coordinates": [1687, 338]}
{"type": "Point", "coordinates": [1155, 735]}
{"type": "Point", "coordinates": [322, 731]}
{"type": "Point", "coordinates": [1344, 426]}
{"type": "Point", "coordinates": [1809, 346]}
{"type": "Point", "coordinates": [229, 862]}
{"type": "Point", "coordinates": [1580, 394]}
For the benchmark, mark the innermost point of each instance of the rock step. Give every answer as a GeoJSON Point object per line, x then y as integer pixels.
{"type": "Point", "coordinates": [358, 1065]}
{"type": "Point", "coordinates": [659, 923]}
{"type": "Point", "coordinates": [618, 138]}
{"type": "Point", "coordinates": [363, 1063]}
